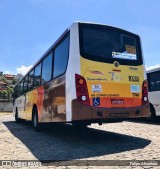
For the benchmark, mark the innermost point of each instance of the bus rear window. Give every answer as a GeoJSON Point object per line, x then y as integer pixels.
{"type": "Point", "coordinates": [107, 44]}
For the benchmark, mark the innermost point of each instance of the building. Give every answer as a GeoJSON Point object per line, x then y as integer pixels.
{"type": "Point", "coordinates": [9, 78]}
{"type": "Point", "coordinates": [3, 85]}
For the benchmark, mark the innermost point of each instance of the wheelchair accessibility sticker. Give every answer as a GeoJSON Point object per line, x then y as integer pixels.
{"type": "Point", "coordinates": [96, 101]}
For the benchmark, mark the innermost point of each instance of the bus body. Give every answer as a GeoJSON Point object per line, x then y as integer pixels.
{"type": "Point", "coordinates": [92, 73]}
{"type": "Point", "coordinates": [153, 77]}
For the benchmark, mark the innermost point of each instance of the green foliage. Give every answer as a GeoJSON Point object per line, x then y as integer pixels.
{"type": "Point", "coordinates": [5, 94]}
{"type": "Point", "coordinates": [3, 79]}
{"type": "Point", "coordinates": [15, 81]}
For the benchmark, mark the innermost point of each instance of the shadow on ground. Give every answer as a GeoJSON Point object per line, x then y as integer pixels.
{"type": "Point", "coordinates": [64, 142]}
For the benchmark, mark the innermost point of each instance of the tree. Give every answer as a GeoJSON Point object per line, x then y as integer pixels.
{"type": "Point", "coordinates": [4, 94]}
{"type": "Point", "coordinates": [15, 81]}
{"type": "Point", "coordinates": [3, 79]}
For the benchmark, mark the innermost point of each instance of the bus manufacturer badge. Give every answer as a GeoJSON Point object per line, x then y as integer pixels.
{"type": "Point", "coordinates": [96, 88]}
{"type": "Point", "coordinates": [96, 101]}
{"type": "Point", "coordinates": [116, 64]}
{"type": "Point", "coordinates": [135, 88]}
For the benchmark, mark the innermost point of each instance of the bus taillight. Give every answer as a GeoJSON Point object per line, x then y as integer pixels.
{"type": "Point", "coordinates": [144, 92]}
{"type": "Point", "coordinates": [81, 90]}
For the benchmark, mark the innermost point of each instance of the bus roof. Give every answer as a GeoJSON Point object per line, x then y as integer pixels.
{"type": "Point", "coordinates": [103, 25]}
{"type": "Point", "coordinates": [153, 70]}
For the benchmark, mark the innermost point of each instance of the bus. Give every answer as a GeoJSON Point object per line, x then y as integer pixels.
{"type": "Point", "coordinates": [153, 77]}
{"type": "Point", "coordinates": [93, 73]}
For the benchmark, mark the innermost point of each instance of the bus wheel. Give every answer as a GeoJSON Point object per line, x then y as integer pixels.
{"type": "Point", "coordinates": [35, 122]}
{"type": "Point", "coordinates": [18, 120]}
{"type": "Point", "coordinates": [152, 112]}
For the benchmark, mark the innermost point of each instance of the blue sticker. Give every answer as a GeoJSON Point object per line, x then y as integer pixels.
{"type": "Point", "coordinates": [96, 101]}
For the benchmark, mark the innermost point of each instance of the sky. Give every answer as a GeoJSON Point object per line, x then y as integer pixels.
{"type": "Point", "coordinates": [29, 27]}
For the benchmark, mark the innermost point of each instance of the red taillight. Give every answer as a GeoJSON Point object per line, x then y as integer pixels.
{"type": "Point", "coordinates": [81, 90]}
{"type": "Point", "coordinates": [144, 92]}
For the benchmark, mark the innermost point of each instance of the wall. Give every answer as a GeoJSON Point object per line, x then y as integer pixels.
{"type": "Point", "coordinates": [6, 106]}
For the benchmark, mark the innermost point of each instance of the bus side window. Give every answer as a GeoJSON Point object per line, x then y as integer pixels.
{"type": "Point", "coordinates": [15, 94]}
{"type": "Point", "coordinates": [25, 88]}
{"type": "Point", "coordinates": [18, 93]}
{"type": "Point", "coordinates": [158, 80]}
{"type": "Point", "coordinates": [154, 81]}
{"type": "Point", "coordinates": [37, 75]}
{"type": "Point", "coordinates": [47, 69]}
{"type": "Point", "coordinates": [61, 57]}
{"type": "Point", "coordinates": [30, 80]}
{"type": "Point", "coordinates": [158, 85]}
{"type": "Point", "coordinates": [21, 87]}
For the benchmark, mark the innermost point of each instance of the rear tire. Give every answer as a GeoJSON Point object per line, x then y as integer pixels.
{"type": "Point", "coordinates": [18, 120]}
{"type": "Point", "coordinates": [35, 122]}
{"type": "Point", "coordinates": [152, 112]}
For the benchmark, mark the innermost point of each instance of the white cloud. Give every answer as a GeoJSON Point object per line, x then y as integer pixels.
{"type": "Point", "coordinates": [152, 67]}
{"type": "Point", "coordinates": [23, 69]}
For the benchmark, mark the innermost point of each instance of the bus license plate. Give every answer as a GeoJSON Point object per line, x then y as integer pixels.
{"type": "Point", "coordinates": [117, 101]}
{"type": "Point", "coordinates": [116, 115]}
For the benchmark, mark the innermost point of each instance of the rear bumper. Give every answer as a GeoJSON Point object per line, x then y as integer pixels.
{"type": "Point", "coordinates": [83, 112]}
